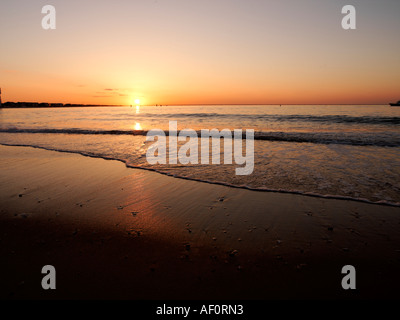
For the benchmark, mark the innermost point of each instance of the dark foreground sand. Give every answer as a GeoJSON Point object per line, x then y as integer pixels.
{"type": "Point", "coordinates": [118, 233]}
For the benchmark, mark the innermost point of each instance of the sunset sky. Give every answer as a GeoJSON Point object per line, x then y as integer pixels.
{"type": "Point", "coordinates": [200, 52]}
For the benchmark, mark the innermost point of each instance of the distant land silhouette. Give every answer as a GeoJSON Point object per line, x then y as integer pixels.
{"type": "Point", "coordinates": [49, 105]}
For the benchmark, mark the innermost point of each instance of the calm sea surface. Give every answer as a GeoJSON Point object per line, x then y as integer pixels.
{"type": "Point", "coordinates": [341, 151]}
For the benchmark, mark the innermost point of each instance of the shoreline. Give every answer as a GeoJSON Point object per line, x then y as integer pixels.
{"type": "Point", "coordinates": [225, 184]}
{"type": "Point", "coordinates": [114, 232]}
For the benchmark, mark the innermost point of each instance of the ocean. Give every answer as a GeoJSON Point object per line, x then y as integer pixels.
{"type": "Point", "coordinates": [332, 151]}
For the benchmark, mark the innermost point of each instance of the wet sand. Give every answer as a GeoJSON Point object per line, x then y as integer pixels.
{"type": "Point", "coordinates": [114, 232]}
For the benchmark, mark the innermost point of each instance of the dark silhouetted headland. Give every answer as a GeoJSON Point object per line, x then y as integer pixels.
{"type": "Point", "coordinates": [47, 105]}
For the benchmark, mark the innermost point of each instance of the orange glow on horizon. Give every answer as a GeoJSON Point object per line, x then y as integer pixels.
{"type": "Point", "coordinates": [228, 93]}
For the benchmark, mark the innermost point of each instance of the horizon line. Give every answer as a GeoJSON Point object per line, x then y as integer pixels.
{"type": "Point", "coordinates": [53, 104]}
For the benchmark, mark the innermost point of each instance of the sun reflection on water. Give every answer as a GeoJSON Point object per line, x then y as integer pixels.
{"type": "Point", "coordinates": [138, 126]}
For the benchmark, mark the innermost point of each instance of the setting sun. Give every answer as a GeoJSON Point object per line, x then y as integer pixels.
{"type": "Point", "coordinates": [137, 101]}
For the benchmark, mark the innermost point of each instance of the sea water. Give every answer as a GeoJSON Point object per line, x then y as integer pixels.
{"type": "Point", "coordinates": [341, 151]}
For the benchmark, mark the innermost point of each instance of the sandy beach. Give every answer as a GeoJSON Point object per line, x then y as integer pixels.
{"type": "Point", "coordinates": [114, 232]}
